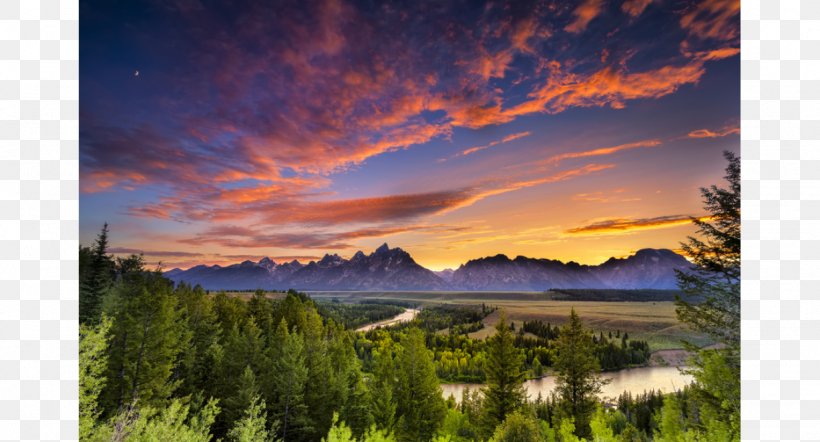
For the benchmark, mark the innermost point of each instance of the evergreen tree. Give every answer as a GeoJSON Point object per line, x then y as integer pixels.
{"type": "Point", "coordinates": [577, 380]}
{"type": "Point", "coordinates": [329, 359]}
{"type": "Point", "coordinates": [457, 427]}
{"type": "Point", "coordinates": [96, 277]}
{"type": "Point", "coordinates": [670, 421]}
{"type": "Point", "coordinates": [289, 379]}
{"type": "Point", "coordinates": [420, 406]}
{"type": "Point", "coordinates": [504, 392]}
{"type": "Point", "coordinates": [252, 426]}
{"type": "Point", "coordinates": [172, 423]}
{"type": "Point", "coordinates": [566, 431]}
{"type": "Point", "coordinates": [382, 386]}
{"type": "Point", "coordinates": [243, 397]}
{"type": "Point", "coordinates": [518, 427]}
{"type": "Point", "coordinates": [93, 365]}
{"type": "Point", "coordinates": [716, 282]}
{"type": "Point", "coordinates": [147, 336]}
{"type": "Point", "coordinates": [600, 427]}
{"type": "Point", "coordinates": [199, 359]}
{"type": "Point", "coordinates": [537, 368]}
{"type": "Point", "coordinates": [356, 411]}
{"type": "Point", "coordinates": [339, 432]}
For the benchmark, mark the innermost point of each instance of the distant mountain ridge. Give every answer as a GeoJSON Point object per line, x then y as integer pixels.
{"type": "Point", "coordinates": [395, 269]}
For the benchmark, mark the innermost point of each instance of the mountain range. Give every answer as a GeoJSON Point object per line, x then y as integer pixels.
{"type": "Point", "coordinates": [395, 269]}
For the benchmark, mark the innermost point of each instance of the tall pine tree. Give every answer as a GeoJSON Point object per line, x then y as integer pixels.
{"type": "Point", "coordinates": [382, 385]}
{"type": "Point", "coordinates": [290, 376]}
{"type": "Point", "coordinates": [716, 281]}
{"type": "Point", "coordinates": [421, 408]}
{"type": "Point", "coordinates": [577, 380]}
{"type": "Point", "coordinates": [96, 277]}
{"type": "Point", "coordinates": [147, 336]}
{"type": "Point", "coordinates": [504, 392]}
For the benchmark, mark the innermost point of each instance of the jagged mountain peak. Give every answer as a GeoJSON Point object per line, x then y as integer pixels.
{"type": "Point", "coordinates": [395, 269]}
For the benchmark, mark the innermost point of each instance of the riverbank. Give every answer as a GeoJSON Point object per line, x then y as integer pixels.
{"type": "Point", "coordinates": [407, 315]}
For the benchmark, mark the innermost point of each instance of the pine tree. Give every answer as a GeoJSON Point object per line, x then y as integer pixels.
{"type": "Point", "coordinates": [600, 427]}
{"type": "Point", "coordinates": [382, 386]}
{"type": "Point", "coordinates": [670, 426]}
{"type": "Point", "coordinates": [172, 423]}
{"type": "Point", "coordinates": [289, 379]}
{"type": "Point", "coordinates": [577, 380]}
{"type": "Point", "coordinates": [519, 427]}
{"type": "Point", "coordinates": [93, 365]}
{"type": "Point", "coordinates": [537, 368]}
{"type": "Point", "coordinates": [356, 411]}
{"type": "Point", "coordinates": [147, 336]}
{"type": "Point", "coordinates": [252, 426]}
{"type": "Point", "coordinates": [199, 360]}
{"type": "Point", "coordinates": [243, 396]}
{"type": "Point", "coordinates": [420, 407]}
{"type": "Point", "coordinates": [716, 281]}
{"type": "Point", "coordinates": [96, 277]}
{"type": "Point", "coordinates": [330, 360]}
{"type": "Point", "coordinates": [504, 392]}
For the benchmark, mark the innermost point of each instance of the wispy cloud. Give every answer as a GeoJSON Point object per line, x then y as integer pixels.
{"type": "Point", "coordinates": [708, 133]}
{"type": "Point", "coordinates": [153, 253]}
{"type": "Point", "coordinates": [713, 19]}
{"type": "Point", "coordinates": [602, 151]}
{"type": "Point", "coordinates": [613, 196]}
{"type": "Point", "coordinates": [244, 237]}
{"type": "Point", "coordinates": [474, 149]}
{"type": "Point", "coordinates": [627, 225]}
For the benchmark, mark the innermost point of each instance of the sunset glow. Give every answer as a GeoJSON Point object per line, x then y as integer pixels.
{"type": "Point", "coordinates": [454, 130]}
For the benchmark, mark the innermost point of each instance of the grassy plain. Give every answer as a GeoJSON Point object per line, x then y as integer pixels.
{"type": "Point", "coordinates": [654, 322]}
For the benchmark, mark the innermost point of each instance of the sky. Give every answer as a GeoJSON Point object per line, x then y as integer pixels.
{"type": "Point", "coordinates": [217, 131]}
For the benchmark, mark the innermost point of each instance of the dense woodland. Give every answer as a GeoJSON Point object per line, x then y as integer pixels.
{"type": "Point", "coordinates": [161, 362]}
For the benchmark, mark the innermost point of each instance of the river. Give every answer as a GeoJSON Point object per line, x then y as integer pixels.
{"type": "Point", "coordinates": [406, 315]}
{"type": "Point", "coordinates": [635, 380]}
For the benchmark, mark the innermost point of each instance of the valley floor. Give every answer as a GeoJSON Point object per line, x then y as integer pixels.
{"type": "Point", "coordinates": [654, 322]}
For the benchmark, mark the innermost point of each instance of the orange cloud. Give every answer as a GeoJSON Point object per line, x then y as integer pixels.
{"type": "Point", "coordinates": [713, 19]}
{"type": "Point", "coordinates": [154, 253]}
{"type": "Point", "coordinates": [607, 86]}
{"type": "Point", "coordinates": [102, 180]}
{"type": "Point", "coordinates": [584, 13]}
{"type": "Point", "coordinates": [604, 150]}
{"type": "Point", "coordinates": [626, 225]}
{"type": "Point", "coordinates": [635, 7]}
{"type": "Point", "coordinates": [718, 54]}
{"type": "Point", "coordinates": [706, 133]}
{"type": "Point", "coordinates": [521, 34]}
{"type": "Point", "coordinates": [605, 197]}
{"type": "Point", "coordinates": [507, 139]}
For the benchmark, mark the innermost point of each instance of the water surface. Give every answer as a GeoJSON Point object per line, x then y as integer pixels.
{"type": "Point", "coordinates": [406, 315]}
{"type": "Point", "coordinates": [634, 380]}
